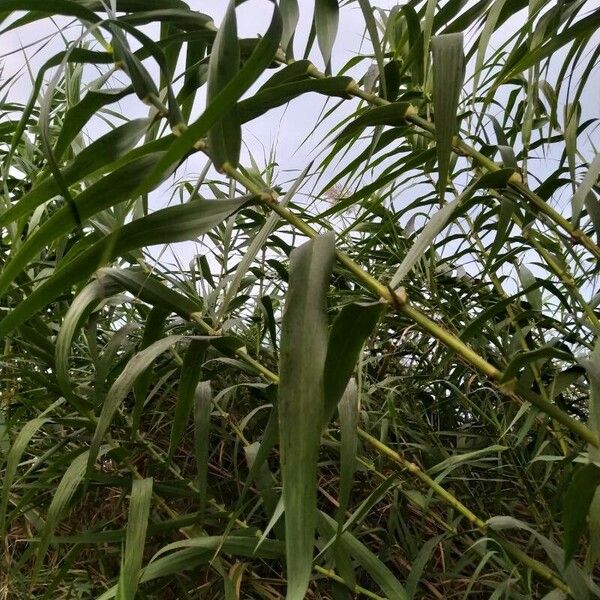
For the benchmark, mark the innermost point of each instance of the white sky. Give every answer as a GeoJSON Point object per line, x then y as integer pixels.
{"type": "Point", "coordinates": [253, 19]}
{"type": "Point", "coordinates": [282, 129]}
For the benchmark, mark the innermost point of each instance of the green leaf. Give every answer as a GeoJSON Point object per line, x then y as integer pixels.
{"type": "Point", "coordinates": [376, 569]}
{"type": "Point", "coordinates": [301, 401]}
{"type": "Point", "coordinates": [197, 551]}
{"type": "Point", "coordinates": [390, 114]}
{"type": "Point", "coordinates": [148, 288]}
{"type": "Point", "coordinates": [584, 189]}
{"type": "Point", "coordinates": [176, 15]}
{"type": "Point", "coordinates": [273, 521]}
{"type": "Point", "coordinates": [579, 31]}
{"type": "Point", "coordinates": [59, 7]}
{"type": "Point", "coordinates": [524, 358]}
{"type": "Point", "coordinates": [80, 308]}
{"type": "Point", "coordinates": [258, 243]}
{"type": "Point", "coordinates": [591, 365]}
{"type": "Point", "coordinates": [413, 162]}
{"type": "Point", "coordinates": [484, 40]}
{"type": "Point", "coordinates": [528, 280]}
{"type": "Point", "coordinates": [137, 524]}
{"type": "Point", "coordinates": [593, 208]}
{"type": "Point", "coordinates": [265, 483]}
{"type": "Point", "coordinates": [110, 190]}
{"type": "Point", "coordinates": [573, 576]}
{"type": "Point", "coordinates": [194, 77]}
{"type": "Point", "coordinates": [418, 565]}
{"type": "Point", "coordinates": [427, 26]}
{"type": "Point", "coordinates": [371, 26]}
{"type": "Point", "coordinates": [173, 224]}
{"type": "Point", "coordinates": [448, 75]}
{"type": "Point", "coordinates": [348, 409]}
{"type": "Point", "coordinates": [98, 156]}
{"type": "Point", "coordinates": [273, 96]}
{"type": "Point", "coordinates": [477, 324]}
{"type": "Point", "coordinates": [572, 116]}
{"type": "Point", "coordinates": [327, 15]}
{"type": "Point", "coordinates": [225, 136]}
{"type": "Point", "coordinates": [290, 15]}
{"type": "Point", "coordinates": [349, 332]}
{"type": "Point", "coordinates": [269, 440]}
{"type": "Point", "coordinates": [202, 405]}
{"type": "Point", "coordinates": [576, 505]}
{"type": "Point", "coordinates": [188, 381]}
{"type": "Point", "coordinates": [122, 386]}
{"type": "Point", "coordinates": [259, 60]}
{"type": "Point", "coordinates": [593, 553]}
{"type": "Point", "coordinates": [141, 80]}
{"type": "Point", "coordinates": [12, 462]}
{"type": "Point", "coordinates": [77, 55]}
{"type": "Point", "coordinates": [458, 459]}
{"type": "Point", "coordinates": [298, 70]}
{"type": "Point", "coordinates": [503, 229]}
{"type": "Point", "coordinates": [417, 251]}
{"type": "Point", "coordinates": [153, 331]}
{"type": "Point", "coordinates": [69, 483]}
{"type": "Point", "coordinates": [79, 114]}
{"type": "Point", "coordinates": [236, 545]}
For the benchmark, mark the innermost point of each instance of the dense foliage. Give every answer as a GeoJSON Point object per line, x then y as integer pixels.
{"type": "Point", "coordinates": [378, 376]}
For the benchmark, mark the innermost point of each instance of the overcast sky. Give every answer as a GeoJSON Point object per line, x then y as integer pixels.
{"type": "Point", "coordinates": [269, 131]}
{"type": "Point", "coordinates": [282, 129]}
{"type": "Point", "coordinates": [253, 19]}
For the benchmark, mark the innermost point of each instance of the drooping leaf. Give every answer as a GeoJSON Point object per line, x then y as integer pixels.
{"type": "Point", "coordinates": [327, 15]}
{"type": "Point", "coordinates": [584, 189]}
{"type": "Point", "coordinates": [12, 463]}
{"type": "Point", "coordinates": [176, 223]}
{"type": "Point", "coordinates": [350, 330]}
{"type": "Point", "coordinates": [348, 409]}
{"type": "Point", "coordinates": [202, 405]}
{"type": "Point", "coordinates": [137, 524]}
{"type": "Point", "coordinates": [225, 136]}
{"type": "Point", "coordinates": [576, 505]}
{"type": "Point", "coordinates": [188, 382]}
{"type": "Point", "coordinates": [448, 75]}
{"type": "Point", "coordinates": [61, 497]}
{"type": "Point", "coordinates": [122, 386]}
{"type": "Point", "coordinates": [301, 401]}
{"type": "Point", "coordinates": [290, 14]}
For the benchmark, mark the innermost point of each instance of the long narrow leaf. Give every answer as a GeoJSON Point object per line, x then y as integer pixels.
{"type": "Point", "coordinates": [301, 402]}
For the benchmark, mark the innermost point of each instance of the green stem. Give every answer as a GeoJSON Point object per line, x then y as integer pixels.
{"type": "Point", "coordinates": [400, 302]}
{"type": "Point", "coordinates": [535, 565]}
{"type": "Point", "coordinates": [461, 147]}
{"type": "Point", "coordinates": [449, 498]}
